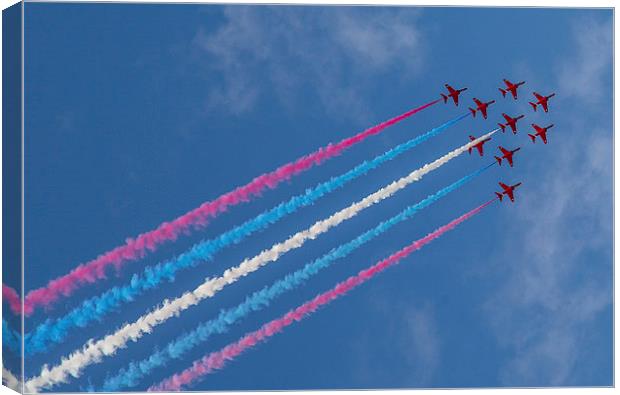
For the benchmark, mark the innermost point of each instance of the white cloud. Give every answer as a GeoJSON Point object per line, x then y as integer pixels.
{"type": "Point", "coordinates": [331, 52]}
{"type": "Point", "coordinates": [559, 272]}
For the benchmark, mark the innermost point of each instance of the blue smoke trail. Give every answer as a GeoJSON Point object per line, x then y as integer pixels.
{"type": "Point", "coordinates": [10, 338]}
{"type": "Point", "coordinates": [96, 308]}
{"type": "Point", "coordinates": [130, 376]}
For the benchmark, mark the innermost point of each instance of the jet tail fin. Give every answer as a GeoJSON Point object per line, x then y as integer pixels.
{"type": "Point", "coordinates": [501, 125]}
{"type": "Point", "coordinates": [533, 137]}
{"type": "Point", "coordinates": [499, 196]}
{"type": "Point", "coordinates": [533, 105]}
{"type": "Point", "coordinates": [499, 160]}
{"type": "Point", "coordinates": [445, 98]}
{"type": "Point", "coordinates": [473, 112]}
{"type": "Point", "coordinates": [503, 92]}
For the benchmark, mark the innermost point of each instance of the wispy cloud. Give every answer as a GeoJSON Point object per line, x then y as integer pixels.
{"type": "Point", "coordinates": [561, 277]}
{"type": "Point", "coordinates": [583, 77]}
{"type": "Point", "coordinates": [305, 54]}
{"type": "Point", "coordinates": [422, 344]}
{"type": "Point", "coordinates": [413, 342]}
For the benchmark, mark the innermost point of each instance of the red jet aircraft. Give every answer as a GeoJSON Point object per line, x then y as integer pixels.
{"type": "Point", "coordinates": [508, 190]}
{"type": "Point", "coordinates": [507, 154]}
{"type": "Point", "coordinates": [480, 106]}
{"type": "Point", "coordinates": [512, 122]}
{"type": "Point", "coordinates": [510, 87]}
{"type": "Point", "coordinates": [542, 100]}
{"type": "Point", "coordinates": [542, 132]}
{"type": "Point", "coordinates": [479, 145]}
{"type": "Point", "coordinates": [453, 93]}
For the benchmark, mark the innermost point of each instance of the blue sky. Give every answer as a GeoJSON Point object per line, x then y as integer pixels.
{"type": "Point", "coordinates": [136, 114]}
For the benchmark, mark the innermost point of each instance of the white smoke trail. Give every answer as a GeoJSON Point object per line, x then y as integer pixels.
{"type": "Point", "coordinates": [9, 380]}
{"type": "Point", "coordinates": [93, 352]}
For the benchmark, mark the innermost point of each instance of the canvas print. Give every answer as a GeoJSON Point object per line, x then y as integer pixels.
{"type": "Point", "coordinates": [213, 197]}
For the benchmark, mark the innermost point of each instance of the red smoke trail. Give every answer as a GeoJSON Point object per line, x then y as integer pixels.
{"type": "Point", "coordinates": [169, 231]}
{"type": "Point", "coordinates": [216, 360]}
{"type": "Point", "coordinates": [10, 296]}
